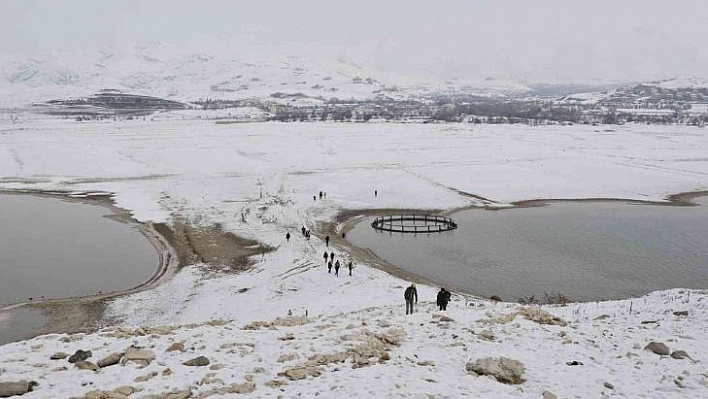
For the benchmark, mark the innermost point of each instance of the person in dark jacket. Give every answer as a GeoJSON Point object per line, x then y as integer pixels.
{"type": "Point", "coordinates": [326, 256]}
{"type": "Point", "coordinates": [327, 241]}
{"type": "Point", "coordinates": [350, 268]}
{"type": "Point", "coordinates": [287, 236]}
{"type": "Point", "coordinates": [410, 295]}
{"type": "Point", "coordinates": [336, 268]}
{"type": "Point", "coordinates": [329, 267]}
{"type": "Point", "coordinates": [443, 298]}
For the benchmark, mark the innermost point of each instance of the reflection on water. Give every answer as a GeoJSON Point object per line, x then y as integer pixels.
{"type": "Point", "coordinates": [54, 249]}
{"type": "Point", "coordinates": [587, 251]}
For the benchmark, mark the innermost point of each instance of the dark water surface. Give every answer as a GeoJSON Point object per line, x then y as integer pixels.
{"type": "Point", "coordinates": [584, 250]}
{"type": "Point", "coordinates": [56, 249]}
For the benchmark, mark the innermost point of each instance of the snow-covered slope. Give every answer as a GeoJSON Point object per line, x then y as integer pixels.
{"type": "Point", "coordinates": [681, 82]}
{"type": "Point", "coordinates": [163, 70]}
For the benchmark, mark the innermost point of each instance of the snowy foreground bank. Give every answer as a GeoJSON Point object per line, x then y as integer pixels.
{"type": "Point", "coordinates": [258, 181]}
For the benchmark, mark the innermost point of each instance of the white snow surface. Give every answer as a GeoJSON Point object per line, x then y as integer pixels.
{"type": "Point", "coordinates": [257, 181]}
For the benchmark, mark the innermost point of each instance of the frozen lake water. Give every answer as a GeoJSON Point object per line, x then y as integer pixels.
{"type": "Point", "coordinates": [584, 250]}
{"type": "Point", "coordinates": [55, 249]}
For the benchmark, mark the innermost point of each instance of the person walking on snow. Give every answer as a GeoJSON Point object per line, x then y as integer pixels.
{"type": "Point", "coordinates": [336, 268]}
{"type": "Point", "coordinates": [350, 268]}
{"type": "Point", "coordinates": [443, 298]}
{"type": "Point", "coordinates": [331, 255]}
{"type": "Point", "coordinates": [326, 256]}
{"type": "Point", "coordinates": [410, 295]}
{"type": "Point", "coordinates": [327, 241]}
{"type": "Point", "coordinates": [287, 236]}
{"type": "Point", "coordinates": [329, 267]}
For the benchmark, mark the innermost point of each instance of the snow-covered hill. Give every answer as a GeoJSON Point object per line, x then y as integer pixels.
{"type": "Point", "coordinates": [162, 70]}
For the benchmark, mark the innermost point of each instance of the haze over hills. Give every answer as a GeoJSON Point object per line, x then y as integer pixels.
{"type": "Point", "coordinates": [163, 70]}
{"type": "Point", "coordinates": [310, 82]}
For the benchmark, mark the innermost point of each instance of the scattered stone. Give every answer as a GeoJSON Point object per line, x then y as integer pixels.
{"type": "Point", "coordinates": [79, 355]}
{"type": "Point", "coordinates": [649, 321]}
{"type": "Point", "coordinates": [125, 390]}
{"type": "Point", "coordinates": [602, 317]}
{"type": "Point", "coordinates": [217, 366]}
{"type": "Point", "coordinates": [549, 395]}
{"type": "Point", "coordinates": [146, 377]}
{"type": "Point", "coordinates": [446, 319]}
{"type": "Point", "coordinates": [197, 362]}
{"type": "Point", "coordinates": [300, 373]}
{"type": "Point", "coordinates": [287, 337]}
{"type": "Point", "coordinates": [177, 346]}
{"type": "Point", "coordinates": [138, 355]}
{"type": "Point", "coordinates": [426, 363]}
{"type": "Point", "coordinates": [276, 383]}
{"type": "Point", "coordinates": [486, 335]}
{"type": "Point", "coordinates": [384, 323]}
{"type": "Point", "coordinates": [680, 355]}
{"type": "Point", "coordinates": [110, 360]}
{"type": "Point", "coordinates": [658, 347]}
{"type": "Point", "coordinates": [86, 365]}
{"type": "Point", "coordinates": [287, 358]}
{"type": "Point", "coordinates": [16, 388]}
{"type": "Point", "coordinates": [246, 387]}
{"type": "Point", "coordinates": [99, 394]}
{"type": "Point", "coordinates": [608, 385]}
{"type": "Point", "coordinates": [574, 363]}
{"type": "Point", "coordinates": [59, 356]}
{"type": "Point", "coordinates": [681, 313]}
{"type": "Point", "coordinates": [505, 370]}
{"type": "Point", "coordinates": [184, 394]}
{"type": "Point", "coordinates": [166, 372]}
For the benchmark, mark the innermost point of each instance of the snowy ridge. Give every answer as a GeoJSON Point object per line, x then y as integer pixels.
{"type": "Point", "coordinates": [162, 70]}
{"type": "Point", "coordinates": [682, 82]}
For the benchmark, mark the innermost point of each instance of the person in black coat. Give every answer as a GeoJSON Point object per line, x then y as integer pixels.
{"type": "Point", "coordinates": [287, 236]}
{"type": "Point", "coordinates": [443, 298]}
{"type": "Point", "coordinates": [410, 295]}
{"type": "Point", "coordinates": [329, 267]}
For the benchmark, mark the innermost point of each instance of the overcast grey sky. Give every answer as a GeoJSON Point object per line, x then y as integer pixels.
{"type": "Point", "coordinates": [546, 40]}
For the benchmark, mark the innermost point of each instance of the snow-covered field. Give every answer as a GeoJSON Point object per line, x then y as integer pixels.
{"type": "Point", "coordinates": [258, 181]}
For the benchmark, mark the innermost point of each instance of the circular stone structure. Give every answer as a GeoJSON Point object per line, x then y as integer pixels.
{"type": "Point", "coordinates": [413, 223]}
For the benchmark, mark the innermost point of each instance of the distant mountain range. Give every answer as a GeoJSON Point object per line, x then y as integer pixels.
{"type": "Point", "coordinates": [165, 71]}
{"type": "Point", "coordinates": [161, 76]}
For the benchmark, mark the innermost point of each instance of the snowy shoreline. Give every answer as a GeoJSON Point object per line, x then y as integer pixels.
{"type": "Point", "coordinates": [342, 223]}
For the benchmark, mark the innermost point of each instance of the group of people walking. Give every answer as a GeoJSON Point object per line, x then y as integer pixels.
{"type": "Point", "coordinates": [411, 297]}
{"type": "Point", "coordinates": [329, 258]}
